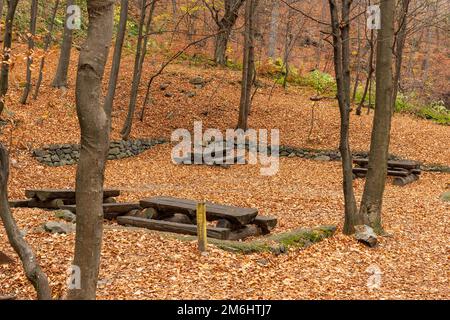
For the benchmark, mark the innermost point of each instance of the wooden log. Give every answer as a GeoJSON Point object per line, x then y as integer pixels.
{"type": "Point", "coordinates": [403, 181]}
{"type": "Point", "coordinates": [178, 218]}
{"type": "Point", "coordinates": [4, 259]}
{"type": "Point", "coordinates": [118, 207]}
{"type": "Point", "coordinates": [19, 203]}
{"type": "Point", "coordinates": [245, 232]}
{"type": "Point", "coordinates": [236, 215]}
{"type": "Point", "coordinates": [50, 204]}
{"type": "Point", "coordinates": [266, 223]}
{"type": "Point", "coordinates": [405, 164]}
{"type": "Point", "coordinates": [49, 194]}
{"type": "Point", "coordinates": [363, 172]}
{"type": "Point", "coordinates": [166, 226]}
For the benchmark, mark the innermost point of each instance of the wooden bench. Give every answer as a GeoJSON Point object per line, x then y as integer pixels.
{"type": "Point", "coordinates": [110, 210]}
{"type": "Point", "coordinates": [50, 194]}
{"type": "Point", "coordinates": [159, 225]}
{"type": "Point", "coordinates": [236, 215]}
{"type": "Point", "coordinates": [403, 171]}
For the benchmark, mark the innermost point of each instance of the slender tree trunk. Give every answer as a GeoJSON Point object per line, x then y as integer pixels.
{"type": "Point", "coordinates": [221, 45]}
{"type": "Point", "coordinates": [4, 76]}
{"type": "Point", "coordinates": [117, 56]}
{"type": "Point", "coordinates": [225, 26]}
{"type": "Point", "coordinates": [31, 267]}
{"type": "Point", "coordinates": [60, 80]}
{"type": "Point", "coordinates": [273, 29]}
{"type": "Point", "coordinates": [248, 65]}
{"type": "Point", "coordinates": [95, 128]}
{"type": "Point", "coordinates": [400, 45]}
{"type": "Point", "coordinates": [48, 40]}
{"type": "Point", "coordinates": [341, 52]}
{"type": "Point", "coordinates": [141, 51]}
{"type": "Point", "coordinates": [370, 72]}
{"type": "Point", "coordinates": [31, 35]}
{"type": "Point", "coordinates": [372, 198]}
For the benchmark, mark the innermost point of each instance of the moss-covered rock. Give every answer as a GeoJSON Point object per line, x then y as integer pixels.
{"type": "Point", "coordinates": [446, 196]}
{"type": "Point", "coordinates": [278, 243]}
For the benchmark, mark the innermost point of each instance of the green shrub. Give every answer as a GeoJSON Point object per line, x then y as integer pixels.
{"type": "Point", "coordinates": [436, 112]}
{"type": "Point", "coordinates": [321, 82]}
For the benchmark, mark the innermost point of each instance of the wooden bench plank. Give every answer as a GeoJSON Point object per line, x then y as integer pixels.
{"type": "Point", "coordinates": [405, 164]}
{"type": "Point", "coordinates": [236, 215]}
{"type": "Point", "coordinates": [167, 226]}
{"type": "Point", "coordinates": [266, 223]}
{"type": "Point", "coordinates": [403, 181]}
{"type": "Point", "coordinates": [121, 207]}
{"type": "Point", "coordinates": [394, 173]}
{"type": "Point", "coordinates": [50, 194]}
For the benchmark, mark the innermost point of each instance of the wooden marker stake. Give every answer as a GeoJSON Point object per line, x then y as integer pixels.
{"type": "Point", "coordinates": [201, 226]}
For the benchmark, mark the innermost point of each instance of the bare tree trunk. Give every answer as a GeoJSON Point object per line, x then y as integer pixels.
{"type": "Point", "coordinates": [225, 25]}
{"type": "Point", "coordinates": [274, 29]}
{"type": "Point", "coordinates": [4, 77]}
{"type": "Point", "coordinates": [117, 56]}
{"type": "Point", "coordinates": [31, 35]}
{"type": "Point", "coordinates": [341, 53]}
{"type": "Point", "coordinates": [141, 51]}
{"type": "Point", "coordinates": [60, 80]}
{"type": "Point", "coordinates": [95, 124]}
{"type": "Point", "coordinates": [48, 39]}
{"type": "Point", "coordinates": [370, 72]}
{"type": "Point", "coordinates": [1, 15]}
{"type": "Point", "coordinates": [400, 45]}
{"type": "Point", "coordinates": [248, 65]}
{"type": "Point", "coordinates": [372, 198]}
{"type": "Point", "coordinates": [31, 267]}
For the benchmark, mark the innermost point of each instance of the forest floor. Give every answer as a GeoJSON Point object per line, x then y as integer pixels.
{"type": "Point", "coordinates": [414, 260]}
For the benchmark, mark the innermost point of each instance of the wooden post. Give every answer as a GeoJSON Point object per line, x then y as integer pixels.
{"type": "Point", "coordinates": [201, 226]}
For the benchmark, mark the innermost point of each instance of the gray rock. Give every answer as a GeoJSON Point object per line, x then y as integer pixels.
{"type": "Point", "coordinates": [163, 86]}
{"type": "Point", "coordinates": [59, 227]}
{"type": "Point", "coordinates": [168, 95]}
{"type": "Point", "coordinates": [190, 94]}
{"type": "Point", "coordinates": [67, 150]}
{"type": "Point", "coordinates": [197, 81]}
{"type": "Point", "coordinates": [54, 158]}
{"type": "Point", "coordinates": [322, 158]}
{"type": "Point", "coordinates": [446, 196]}
{"type": "Point", "coordinates": [114, 151]}
{"type": "Point", "coordinates": [366, 235]}
{"type": "Point", "coordinates": [66, 215]}
{"type": "Point", "coordinates": [39, 153]}
{"type": "Point", "coordinates": [292, 155]}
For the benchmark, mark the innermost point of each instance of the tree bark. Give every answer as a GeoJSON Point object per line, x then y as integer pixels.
{"type": "Point", "coordinates": [60, 80]}
{"type": "Point", "coordinates": [400, 45]}
{"type": "Point", "coordinates": [95, 124]}
{"type": "Point", "coordinates": [372, 198]}
{"type": "Point", "coordinates": [341, 53]}
{"type": "Point", "coordinates": [31, 267]}
{"type": "Point", "coordinates": [225, 26]}
{"type": "Point", "coordinates": [117, 56]}
{"type": "Point", "coordinates": [4, 76]}
{"type": "Point", "coordinates": [48, 39]}
{"type": "Point", "coordinates": [248, 70]}
{"type": "Point", "coordinates": [31, 35]}
{"type": "Point", "coordinates": [273, 29]}
{"type": "Point", "coordinates": [141, 51]}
